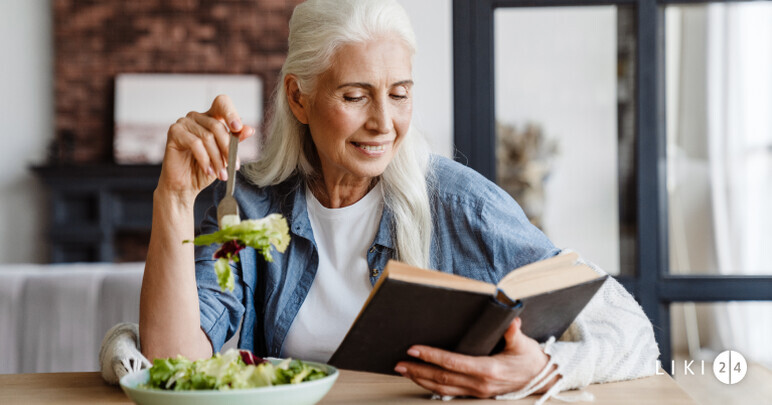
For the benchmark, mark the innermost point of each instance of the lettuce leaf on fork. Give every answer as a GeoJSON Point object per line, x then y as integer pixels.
{"type": "Point", "coordinates": [259, 234]}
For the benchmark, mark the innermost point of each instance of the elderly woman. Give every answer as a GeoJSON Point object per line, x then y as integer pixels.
{"type": "Point", "coordinates": [343, 164]}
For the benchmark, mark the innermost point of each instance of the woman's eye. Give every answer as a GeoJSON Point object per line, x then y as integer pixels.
{"type": "Point", "coordinates": [353, 98]}
{"type": "Point", "coordinates": [399, 96]}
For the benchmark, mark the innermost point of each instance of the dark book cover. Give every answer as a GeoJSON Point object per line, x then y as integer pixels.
{"type": "Point", "coordinates": [401, 314]}
{"type": "Point", "coordinates": [551, 313]}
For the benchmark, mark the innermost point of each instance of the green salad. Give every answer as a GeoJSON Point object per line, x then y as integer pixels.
{"type": "Point", "coordinates": [234, 369]}
{"type": "Point", "coordinates": [259, 234]}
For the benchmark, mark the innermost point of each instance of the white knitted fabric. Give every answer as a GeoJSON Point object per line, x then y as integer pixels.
{"type": "Point", "coordinates": [610, 340]}
{"type": "Point", "coordinates": [120, 353]}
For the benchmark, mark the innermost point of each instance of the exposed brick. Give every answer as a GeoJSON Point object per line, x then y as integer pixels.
{"type": "Point", "coordinates": [96, 40]}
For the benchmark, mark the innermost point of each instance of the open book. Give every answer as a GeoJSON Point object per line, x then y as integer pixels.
{"type": "Point", "coordinates": [410, 305]}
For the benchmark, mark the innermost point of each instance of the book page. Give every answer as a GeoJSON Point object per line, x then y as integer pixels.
{"type": "Point", "coordinates": [536, 268]}
{"type": "Point", "coordinates": [401, 271]}
{"type": "Point", "coordinates": [547, 275]}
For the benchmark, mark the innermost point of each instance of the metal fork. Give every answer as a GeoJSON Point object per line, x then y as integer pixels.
{"type": "Point", "coordinates": [228, 204]}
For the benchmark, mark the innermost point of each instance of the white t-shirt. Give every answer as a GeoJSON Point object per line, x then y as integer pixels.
{"type": "Point", "coordinates": [342, 282]}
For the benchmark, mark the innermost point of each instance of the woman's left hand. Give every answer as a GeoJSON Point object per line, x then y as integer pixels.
{"type": "Point", "coordinates": [456, 374]}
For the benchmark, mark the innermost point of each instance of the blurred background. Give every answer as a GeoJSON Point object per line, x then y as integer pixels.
{"type": "Point", "coordinates": [90, 87]}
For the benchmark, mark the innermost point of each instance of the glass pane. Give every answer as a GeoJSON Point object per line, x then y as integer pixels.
{"type": "Point", "coordinates": [701, 332]}
{"type": "Point", "coordinates": [719, 131]}
{"type": "Point", "coordinates": [565, 125]}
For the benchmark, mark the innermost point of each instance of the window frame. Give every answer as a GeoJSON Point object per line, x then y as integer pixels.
{"type": "Point", "coordinates": [474, 137]}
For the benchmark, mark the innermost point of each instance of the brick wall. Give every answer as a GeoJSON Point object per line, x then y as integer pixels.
{"type": "Point", "coordinates": [97, 39]}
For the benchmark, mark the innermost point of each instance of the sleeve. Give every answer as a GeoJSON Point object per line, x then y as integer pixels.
{"type": "Point", "coordinates": [221, 311]}
{"type": "Point", "coordinates": [509, 239]}
{"type": "Point", "coordinates": [610, 340]}
{"type": "Point", "coordinates": [480, 231]}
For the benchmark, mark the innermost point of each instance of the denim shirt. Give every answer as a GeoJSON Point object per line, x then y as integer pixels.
{"type": "Point", "coordinates": [479, 232]}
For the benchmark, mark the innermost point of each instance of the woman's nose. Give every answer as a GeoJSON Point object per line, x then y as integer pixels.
{"type": "Point", "coordinates": [379, 119]}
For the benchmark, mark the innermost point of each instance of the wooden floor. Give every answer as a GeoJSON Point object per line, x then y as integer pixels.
{"type": "Point", "coordinates": [755, 388]}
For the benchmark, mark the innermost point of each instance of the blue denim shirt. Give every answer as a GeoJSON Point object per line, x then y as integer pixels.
{"type": "Point", "coordinates": [479, 232]}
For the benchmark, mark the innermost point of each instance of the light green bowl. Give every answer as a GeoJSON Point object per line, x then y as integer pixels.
{"type": "Point", "coordinates": [305, 393]}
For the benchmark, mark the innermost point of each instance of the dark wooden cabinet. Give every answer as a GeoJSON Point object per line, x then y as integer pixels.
{"type": "Point", "coordinates": [103, 213]}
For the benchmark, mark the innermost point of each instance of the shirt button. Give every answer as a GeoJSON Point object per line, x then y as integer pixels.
{"type": "Point", "coordinates": [375, 272]}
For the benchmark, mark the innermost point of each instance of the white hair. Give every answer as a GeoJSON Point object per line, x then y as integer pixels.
{"type": "Point", "coordinates": [318, 28]}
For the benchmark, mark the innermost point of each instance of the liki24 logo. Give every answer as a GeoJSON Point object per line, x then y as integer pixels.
{"type": "Point", "coordinates": [729, 367]}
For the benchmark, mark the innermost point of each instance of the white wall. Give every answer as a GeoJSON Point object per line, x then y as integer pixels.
{"type": "Point", "coordinates": [26, 115]}
{"type": "Point", "coordinates": [433, 72]}
{"type": "Point", "coordinates": [557, 67]}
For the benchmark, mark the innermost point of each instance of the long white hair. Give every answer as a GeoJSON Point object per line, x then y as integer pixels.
{"type": "Point", "coordinates": [318, 28]}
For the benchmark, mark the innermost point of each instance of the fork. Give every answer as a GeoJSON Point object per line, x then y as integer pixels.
{"type": "Point", "coordinates": [228, 209]}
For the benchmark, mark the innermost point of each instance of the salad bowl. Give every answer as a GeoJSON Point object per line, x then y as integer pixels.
{"type": "Point", "coordinates": [304, 393]}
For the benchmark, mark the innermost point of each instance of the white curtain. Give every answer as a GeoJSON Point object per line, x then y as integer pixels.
{"type": "Point", "coordinates": [739, 132]}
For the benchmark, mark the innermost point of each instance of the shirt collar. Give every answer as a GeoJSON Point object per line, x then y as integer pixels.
{"type": "Point", "coordinates": [384, 235]}
{"type": "Point", "coordinates": [301, 225]}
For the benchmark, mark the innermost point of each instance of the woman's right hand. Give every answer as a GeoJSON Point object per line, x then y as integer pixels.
{"type": "Point", "coordinates": [197, 149]}
{"type": "Point", "coordinates": [196, 154]}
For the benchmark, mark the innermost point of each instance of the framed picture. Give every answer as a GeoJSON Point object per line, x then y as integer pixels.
{"type": "Point", "coordinates": [147, 104]}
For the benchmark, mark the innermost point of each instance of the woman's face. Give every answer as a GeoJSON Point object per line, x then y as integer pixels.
{"type": "Point", "coordinates": [361, 109]}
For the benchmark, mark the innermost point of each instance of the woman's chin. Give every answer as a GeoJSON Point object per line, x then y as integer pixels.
{"type": "Point", "coordinates": [372, 168]}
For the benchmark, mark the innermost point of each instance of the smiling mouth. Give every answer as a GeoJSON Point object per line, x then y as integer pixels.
{"type": "Point", "coordinates": [370, 148]}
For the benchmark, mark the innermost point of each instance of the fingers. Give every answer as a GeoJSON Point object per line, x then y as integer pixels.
{"type": "Point", "coordinates": [246, 132]}
{"type": "Point", "coordinates": [223, 111]}
{"type": "Point", "coordinates": [448, 360]}
{"type": "Point", "coordinates": [205, 137]}
{"type": "Point", "coordinates": [213, 143]}
{"type": "Point", "coordinates": [222, 108]}
{"type": "Point", "coordinates": [450, 373]}
{"type": "Point", "coordinates": [518, 343]}
{"type": "Point", "coordinates": [443, 389]}
{"type": "Point", "coordinates": [216, 127]}
{"type": "Point", "coordinates": [184, 140]}
{"type": "Point", "coordinates": [513, 335]}
{"type": "Point", "coordinates": [210, 143]}
{"type": "Point", "coordinates": [439, 377]}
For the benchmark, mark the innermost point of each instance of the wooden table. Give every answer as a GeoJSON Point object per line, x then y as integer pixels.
{"type": "Point", "coordinates": [351, 388]}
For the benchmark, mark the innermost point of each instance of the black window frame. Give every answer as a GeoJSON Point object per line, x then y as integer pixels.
{"type": "Point", "coordinates": [474, 137]}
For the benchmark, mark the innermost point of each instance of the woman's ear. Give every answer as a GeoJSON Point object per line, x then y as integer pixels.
{"type": "Point", "coordinates": [297, 101]}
